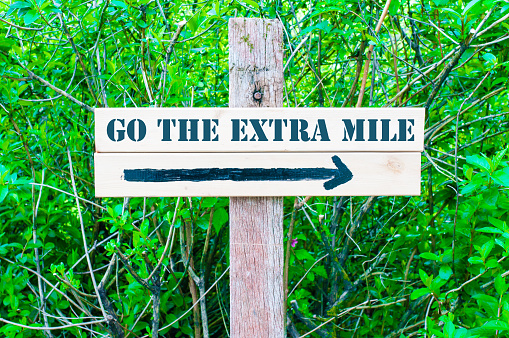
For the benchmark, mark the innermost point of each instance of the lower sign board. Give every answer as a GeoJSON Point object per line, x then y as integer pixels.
{"type": "Point", "coordinates": [258, 174]}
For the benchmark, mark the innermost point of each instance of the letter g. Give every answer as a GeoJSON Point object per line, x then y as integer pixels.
{"type": "Point", "coordinates": [111, 130]}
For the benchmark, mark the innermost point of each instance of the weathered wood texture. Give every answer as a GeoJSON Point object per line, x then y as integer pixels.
{"type": "Point", "coordinates": [262, 129]}
{"type": "Point", "coordinates": [256, 273]}
{"type": "Point", "coordinates": [374, 174]}
{"type": "Point", "coordinates": [256, 224]}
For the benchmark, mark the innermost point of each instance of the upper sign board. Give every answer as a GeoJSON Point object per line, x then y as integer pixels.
{"type": "Point", "coordinates": [171, 130]}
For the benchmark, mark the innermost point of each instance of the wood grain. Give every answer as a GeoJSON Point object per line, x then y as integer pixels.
{"type": "Point", "coordinates": [290, 119]}
{"type": "Point", "coordinates": [380, 174]}
{"type": "Point", "coordinates": [256, 269]}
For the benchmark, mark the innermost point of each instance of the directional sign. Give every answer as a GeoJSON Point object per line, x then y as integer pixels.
{"type": "Point", "coordinates": [158, 152]}
{"type": "Point", "coordinates": [162, 130]}
{"type": "Point", "coordinates": [257, 174]}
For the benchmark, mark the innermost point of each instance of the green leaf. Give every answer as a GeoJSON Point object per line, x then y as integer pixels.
{"type": "Point", "coordinates": [502, 177]}
{"type": "Point", "coordinates": [436, 284]}
{"type": "Point", "coordinates": [449, 329]}
{"type": "Point", "coordinates": [492, 263]}
{"type": "Point", "coordinates": [476, 182]}
{"type": "Point", "coordinates": [498, 223]}
{"type": "Point", "coordinates": [419, 293]}
{"type": "Point", "coordinates": [30, 16]}
{"type": "Point", "coordinates": [487, 247]}
{"type": "Point", "coordinates": [324, 26]}
{"type": "Point", "coordinates": [429, 255]}
{"type": "Point", "coordinates": [425, 278]}
{"type": "Point", "coordinates": [394, 7]}
{"type": "Point", "coordinates": [308, 29]}
{"type": "Point", "coordinates": [490, 230]}
{"type": "Point", "coordinates": [203, 223]}
{"type": "Point", "coordinates": [3, 193]}
{"type": "Point", "coordinates": [490, 197]}
{"type": "Point", "coordinates": [117, 3]}
{"type": "Point", "coordinates": [475, 260]}
{"type": "Point", "coordinates": [311, 276]}
{"type": "Point", "coordinates": [193, 23]}
{"type": "Point", "coordinates": [479, 162]}
{"type": "Point", "coordinates": [500, 285]}
{"type": "Point", "coordinates": [490, 58]}
{"type": "Point", "coordinates": [6, 44]}
{"type": "Point", "coordinates": [445, 272]}
{"type": "Point", "coordinates": [498, 158]}
{"type": "Point", "coordinates": [451, 11]}
{"type": "Point", "coordinates": [320, 271]}
{"type": "Point", "coordinates": [303, 254]}
{"type": "Point", "coordinates": [325, 10]}
{"type": "Point", "coordinates": [208, 202]}
{"type": "Point", "coordinates": [469, 6]}
{"type": "Point", "coordinates": [220, 218]}
{"type": "Point", "coordinates": [496, 325]}
{"type": "Point", "coordinates": [21, 4]}
{"type": "Point", "coordinates": [468, 173]}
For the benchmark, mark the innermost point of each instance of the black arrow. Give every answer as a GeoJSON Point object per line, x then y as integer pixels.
{"type": "Point", "coordinates": [336, 177]}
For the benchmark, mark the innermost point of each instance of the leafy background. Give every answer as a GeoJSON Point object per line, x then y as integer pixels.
{"type": "Point", "coordinates": [433, 265]}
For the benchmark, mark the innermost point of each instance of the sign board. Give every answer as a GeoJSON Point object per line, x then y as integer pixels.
{"type": "Point", "coordinates": [189, 130]}
{"type": "Point", "coordinates": [158, 152]}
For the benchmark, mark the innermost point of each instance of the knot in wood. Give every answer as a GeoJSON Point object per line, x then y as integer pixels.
{"type": "Point", "coordinates": [257, 96]}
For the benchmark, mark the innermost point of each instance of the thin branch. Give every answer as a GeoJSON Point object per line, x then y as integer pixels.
{"type": "Point", "coordinates": [54, 327]}
{"type": "Point", "coordinates": [20, 27]}
{"type": "Point", "coordinates": [80, 216]}
{"type": "Point", "coordinates": [58, 90]}
{"type": "Point", "coordinates": [368, 57]}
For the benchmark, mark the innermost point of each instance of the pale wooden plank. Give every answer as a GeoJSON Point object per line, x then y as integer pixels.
{"type": "Point", "coordinates": [226, 122]}
{"type": "Point", "coordinates": [388, 174]}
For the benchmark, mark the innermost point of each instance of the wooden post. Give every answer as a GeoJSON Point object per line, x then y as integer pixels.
{"type": "Point", "coordinates": [256, 224]}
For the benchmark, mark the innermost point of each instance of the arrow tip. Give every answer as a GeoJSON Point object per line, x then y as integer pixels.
{"type": "Point", "coordinates": [341, 176]}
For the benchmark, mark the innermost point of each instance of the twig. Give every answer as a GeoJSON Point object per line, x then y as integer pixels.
{"type": "Point", "coordinates": [368, 57]}
{"type": "Point", "coordinates": [358, 70]}
{"type": "Point", "coordinates": [58, 90]}
{"type": "Point", "coordinates": [131, 270]}
{"type": "Point", "coordinates": [335, 317]}
{"type": "Point", "coordinates": [304, 276]}
{"type": "Point", "coordinates": [54, 327]}
{"type": "Point", "coordinates": [296, 207]}
{"type": "Point", "coordinates": [307, 321]}
{"type": "Point", "coordinates": [170, 233]}
{"type": "Point", "coordinates": [49, 283]}
{"type": "Point", "coordinates": [20, 27]}
{"type": "Point", "coordinates": [67, 193]}
{"type": "Point", "coordinates": [83, 234]}
{"type": "Point", "coordinates": [78, 54]}
{"type": "Point", "coordinates": [192, 307]}
{"type": "Point", "coordinates": [169, 50]}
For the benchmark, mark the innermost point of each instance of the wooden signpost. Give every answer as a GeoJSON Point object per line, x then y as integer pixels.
{"type": "Point", "coordinates": [257, 151]}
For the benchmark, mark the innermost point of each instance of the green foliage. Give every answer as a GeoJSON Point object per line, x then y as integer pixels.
{"type": "Point", "coordinates": [433, 265]}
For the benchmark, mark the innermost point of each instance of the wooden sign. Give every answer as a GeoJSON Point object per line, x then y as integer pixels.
{"type": "Point", "coordinates": [154, 152]}
{"type": "Point", "coordinates": [258, 174]}
{"type": "Point", "coordinates": [162, 130]}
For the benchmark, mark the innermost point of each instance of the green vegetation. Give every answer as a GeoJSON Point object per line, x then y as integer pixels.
{"type": "Point", "coordinates": [433, 265]}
